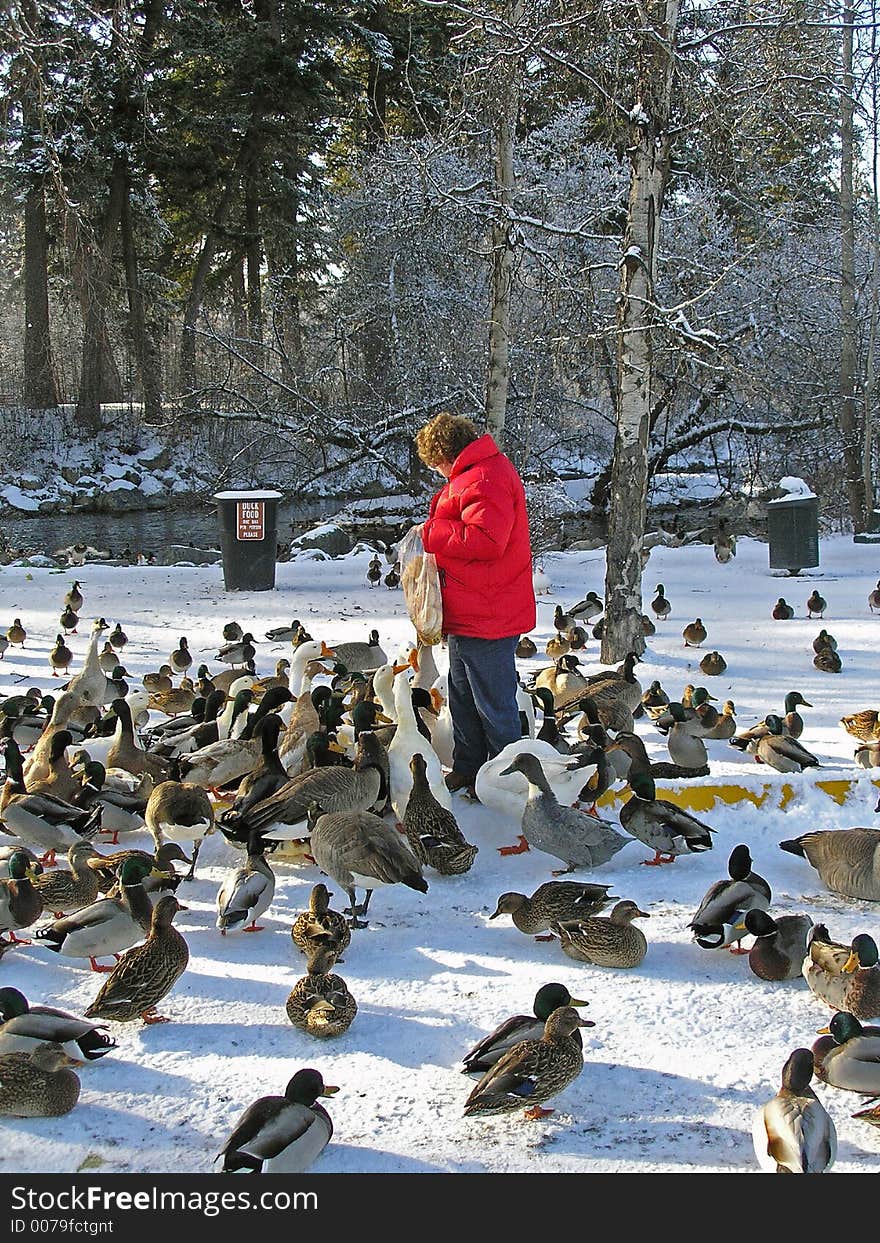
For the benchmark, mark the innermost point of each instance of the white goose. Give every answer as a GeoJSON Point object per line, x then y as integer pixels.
{"type": "Point", "coordinates": [406, 742]}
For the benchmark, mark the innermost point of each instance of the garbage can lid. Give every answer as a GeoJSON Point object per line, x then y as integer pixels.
{"type": "Point", "coordinates": [795, 490]}
{"type": "Point", "coordinates": [265, 494]}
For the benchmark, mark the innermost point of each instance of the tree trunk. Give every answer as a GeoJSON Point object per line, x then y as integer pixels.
{"type": "Point", "coordinates": [506, 114]}
{"type": "Point", "coordinates": [40, 390]}
{"type": "Point", "coordinates": [852, 455]}
{"type": "Point", "coordinates": [254, 260]}
{"type": "Point", "coordinates": [145, 348]}
{"type": "Point", "coordinates": [99, 378]}
{"type": "Point", "coordinates": [649, 153]}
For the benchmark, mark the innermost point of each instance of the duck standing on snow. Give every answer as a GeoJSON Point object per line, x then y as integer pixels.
{"type": "Point", "coordinates": [532, 1071]}
{"type": "Point", "coordinates": [146, 973]}
{"type": "Point", "coordinates": [694, 633]}
{"type": "Point", "coordinates": [793, 1133]}
{"type": "Point", "coordinates": [665, 828]}
{"type": "Point", "coordinates": [20, 902]}
{"type": "Point", "coordinates": [720, 917]}
{"type": "Point", "coordinates": [281, 1134]}
{"type": "Point", "coordinates": [74, 598]}
{"type": "Point", "coordinates": [181, 658]}
{"type": "Point", "coordinates": [782, 610]}
{"type": "Point", "coordinates": [247, 893]}
{"type": "Point", "coordinates": [660, 604]}
{"type": "Point", "coordinates": [492, 1048]}
{"type": "Point", "coordinates": [320, 929]}
{"type": "Point", "coordinates": [816, 604]}
{"type": "Point", "coordinates": [431, 829]}
{"type": "Point", "coordinates": [180, 812]}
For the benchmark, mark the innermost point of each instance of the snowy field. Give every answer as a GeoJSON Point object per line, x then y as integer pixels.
{"type": "Point", "coordinates": [684, 1048]}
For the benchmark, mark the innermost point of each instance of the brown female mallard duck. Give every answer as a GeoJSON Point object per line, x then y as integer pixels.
{"type": "Point", "coordinates": [74, 598]}
{"type": "Point", "coordinates": [320, 1002]}
{"type": "Point", "coordinates": [782, 610]}
{"type": "Point", "coordinates": [816, 604]}
{"type": "Point", "coordinates": [178, 699]}
{"type": "Point", "coordinates": [548, 998]}
{"type": "Point", "coordinates": [532, 1071]}
{"type": "Point", "coordinates": [38, 1084]}
{"type": "Point", "coordinates": [320, 929]}
{"type": "Point", "coordinates": [63, 892]}
{"type": "Point", "coordinates": [181, 658]}
{"type": "Point", "coordinates": [108, 659]}
{"type": "Point", "coordinates": [125, 751]}
{"type": "Point", "coordinates": [660, 604]}
{"type": "Point", "coordinates": [555, 900]}
{"type": "Point", "coordinates": [431, 830]}
{"type": "Point", "coordinates": [606, 941]}
{"type": "Point", "coordinates": [780, 944]}
{"type": "Point", "coordinates": [160, 680]}
{"type": "Point", "coordinates": [16, 634]}
{"type": "Point", "coordinates": [828, 661]}
{"type": "Point", "coordinates": [863, 725]}
{"type": "Point", "coordinates": [694, 633]}
{"type": "Point", "coordinates": [146, 973]}
{"type": "Point", "coordinates": [845, 977]}
{"type": "Point", "coordinates": [526, 648]}
{"type": "Point", "coordinates": [713, 664]}
{"type": "Point", "coordinates": [557, 646]}
{"type": "Point", "coordinates": [60, 657]}
{"type": "Point", "coordinates": [20, 901]}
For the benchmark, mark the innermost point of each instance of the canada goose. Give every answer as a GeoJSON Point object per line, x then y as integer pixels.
{"type": "Point", "coordinates": [847, 860]}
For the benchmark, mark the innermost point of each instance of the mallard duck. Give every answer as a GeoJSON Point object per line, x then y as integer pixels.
{"type": "Point", "coordinates": [121, 805]}
{"type": "Point", "coordinates": [225, 762]}
{"type": "Point", "coordinates": [563, 621]}
{"type": "Point", "coordinates": [563, 679]}
{"type": "Point", "coordinates": [392, 578]}
{"type": "Point", "coordinates": [577, 638]}
{"type": "Point", "coordinates": [320, 1003]}
{"type": "Point", "coordinates": [23, 1027]}
{"type": "Point", "coordinates": [20, 902]}
{"type": "Point", "coordinates": [42, 820]}
{"type": "Point", "coordinates": [655, 700]}
{"type": "Point", "coordinates": [720, 917]}
{"type": "Point", "coordinates": [181, 658]}
{"type": "Point", "coordinates": [605, 940]}
{"type": "Point", "coordinates": [848, 1055]}
{"type": "Point", "coordinates": [146, 973]}
{"type": "Point", "coordinates": [868, 754]}
{"type": "Point", "coordinates": [74, 598]}
{"type": "Point", "coordinates": [38, 1084]}
{"type": "Point", "coordinates": [283, 816]}
{"type": "Point", "coordinates": [60, 657]}
{"type": "Point", "coordinates": [532, 1071]}
{"type": "Point", "coordinates": [578, 839]}
{"type": "Point", "coordinates": [782, 610]}
{"type": "Point", "coordinates": [725, 727]}
{"type": "Point", "coordinates": [816, 604]}
{"type": "Point", "coordinates": [374, 572]}
{"type": "Point", "coordinates": [107, 659]}
{"type": "Point", "coordinates": [874, 598]}
{"type": "Point", "coordinates": [660, 604]}
{"type": "Point", "coordinates": [117, 637]}
{"type": "Point", "coordinates": [664, 827]}
{"type": "Point", "coordinates": [232, 632]}
{"type": "Point", "coordinates": [713, 664]}
{"type": "Point", "coordinates": [824, 639]}
{"type": "Point", "coordinates": [59, 781]}
{"type": "Point", "coordinates": [557, 646]}
{"type": "Point", "coordinates": [179, 699]}
{"type": "Point", "coordinates": [320, 929]}
{"type": "Point", "coordinates": [526, 648]}
{"type": "Point", "coordinates": [431, 829]}
{"type": "Point", "coordinates": [109, 925]}
{"type": "Point", "coordinates": [159, 681]}
{"type": "Point", "coordinates": [694, 633]}
{"type": "Point", "coordinates": [827, 661]}
{"type": "Point", "coordinates": [588, 608]}
{"type": "Point", "coordinates": [777, 751]}
{"type": "Point", "coordinates": [685, 747]}
{"type": "Point", "coordinates": [16, 634]}
{"type": "Point", "coordinates": [792, 721]}
{"type": "Point", "coordinates": [281, 677]}
{"type": "Point", "coordinates": [845, 977]}
{"type": "Point", "coordinates": [180, 812]}
{"type": "Point", "coordinates": [281, 1134]}
{"type": "Point", "coordinates": [553, 901]}
{"type": "Point", "coordinates": [303, 722]}
{"type": "Point", "coordinates": [864, 725]}
{"type": "Point", "coordinates": [491, 1048]}
{"type": "Point", "coordinates": [65, 892]}
{"type": "Point", "coordinates": [162, 874]}
{"type": "Point", "coordinates": [793, 1133]}
{"type": "Point", "coordinates": [780, 944]}
{"type": "Point", "coordinates": [356, 848]}
{"type": "Point", "coordinates": [268, 776]}
{"type": "Point", "coordinates": [283, 634]}
{"type": "Point", "coordinates": [247, 893]}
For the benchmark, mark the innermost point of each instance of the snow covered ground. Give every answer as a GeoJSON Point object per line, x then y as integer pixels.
{"type": "Point", "coordinates": [684, 1048]}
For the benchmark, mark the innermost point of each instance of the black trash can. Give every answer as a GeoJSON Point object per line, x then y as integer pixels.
{"type": "Point", "coordinates": [248, 538]}
{"type": "Point", "coordinates": [793, 532]}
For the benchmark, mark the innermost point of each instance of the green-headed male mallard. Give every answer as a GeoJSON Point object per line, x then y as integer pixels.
{"type": "Point", "coordinates": [247, 893]}
{"type": "Point", "coordinates": [793, 1133]}
{"type": "Point", "coordinates": [20, 901]}
{"type": "Point", "coordinates": [845, 977]}
{"type": "Point", "coordinates": [777, 751]}
{"type": "Point", "coordinates": [780, 944]}
{"type": "Point", "coordinates": [23, 1027]}
{"type": "Point", "coordinates": [664, 827]}
{"type": "Point", "coordinates": [720, 917]}
{"type": "Point", "coordinates": [532, 1071]}
{"type": "Point", "coordinates": [281, 1134]}
{"type": "Point", "coordinates": [848, 1055]}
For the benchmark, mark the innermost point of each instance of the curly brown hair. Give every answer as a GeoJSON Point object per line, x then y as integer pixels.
{"type": "Point", "coordinates": [444, 437]}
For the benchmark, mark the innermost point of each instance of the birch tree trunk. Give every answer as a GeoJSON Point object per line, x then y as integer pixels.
{"type": "Point", "coordinates": [649, 153]}
{"type": "Point", "coordinates": [505, 116]}
{"type": "Point", "coordinates": [852, 456]}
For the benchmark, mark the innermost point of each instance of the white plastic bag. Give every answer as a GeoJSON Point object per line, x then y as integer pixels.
{"type": "Point", "coordinates": [420, 580]}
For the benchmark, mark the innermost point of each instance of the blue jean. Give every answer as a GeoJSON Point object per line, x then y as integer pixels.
{"type": "Point", "coordinates": [482, 699]}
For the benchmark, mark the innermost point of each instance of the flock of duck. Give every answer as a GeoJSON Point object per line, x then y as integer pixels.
{"type": "Point", "coordinates": [337, 759]}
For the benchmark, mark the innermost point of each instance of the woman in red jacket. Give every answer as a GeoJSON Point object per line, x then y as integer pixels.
{"type": "Point", "coordinates": [478, 530]}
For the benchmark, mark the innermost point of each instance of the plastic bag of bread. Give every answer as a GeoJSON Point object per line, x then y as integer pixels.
{"type": "Point", "coordinates": [420, 581]}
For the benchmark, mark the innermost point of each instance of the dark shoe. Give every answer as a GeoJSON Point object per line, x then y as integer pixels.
{"type": "Point", "coordinates": [455, 781]}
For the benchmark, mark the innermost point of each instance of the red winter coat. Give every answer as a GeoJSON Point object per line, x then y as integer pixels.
{"type": "Point", "coordinates": [478, 529]}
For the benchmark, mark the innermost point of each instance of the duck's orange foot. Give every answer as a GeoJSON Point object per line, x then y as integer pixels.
{"type": "Point", "coordinates": [547, 936]}
{"type": "Point", "coordinates": [519, 849]}
{"type": "Point", "coordinates": [48, 859]}
{"type": "Point", "coordinates": [150, 1017]}
{"type": "Point", "coordinates": [14, 940]}
{"type": "Point", "coordinates": [96, 966]}
{"type": "Point", "coordinates": [112, 837]}
{"type": "Point", "coordinates": [738, 949]}
{"type": "Point", "coordinates": [537, 1112]}
{"type": "Point", "coordinates": [254, 927]}
{"type": "Point", "coordinates": [658, 860]}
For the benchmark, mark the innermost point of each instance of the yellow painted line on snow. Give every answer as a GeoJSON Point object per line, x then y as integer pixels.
{"type": "Point", "coordinates": [704, 797]}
